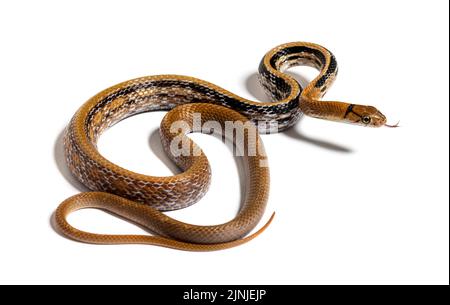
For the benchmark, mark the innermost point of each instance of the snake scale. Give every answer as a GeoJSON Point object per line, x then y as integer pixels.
{"type": "Point", "coordinates": [142, 199]}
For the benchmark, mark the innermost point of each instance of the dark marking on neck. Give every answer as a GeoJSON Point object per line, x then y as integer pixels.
{"type": "Point", "coordinates": [349, 110]}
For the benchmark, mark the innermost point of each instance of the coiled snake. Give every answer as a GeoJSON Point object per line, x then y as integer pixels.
{"type": "Point", "coordinates": [141, 198]}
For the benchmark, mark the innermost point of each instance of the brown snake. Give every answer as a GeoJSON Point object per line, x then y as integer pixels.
{"type": "Point", "coordinates": [141, 198]}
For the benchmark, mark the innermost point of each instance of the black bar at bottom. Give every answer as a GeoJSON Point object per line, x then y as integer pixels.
{"type": "Point", "coordinates": [224, 294]}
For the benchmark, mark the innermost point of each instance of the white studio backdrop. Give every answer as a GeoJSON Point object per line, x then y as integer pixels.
{"type": "Point", "coordinates": [354, 205]}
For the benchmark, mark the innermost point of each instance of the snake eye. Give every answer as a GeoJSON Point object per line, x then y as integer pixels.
{"type": "Point", "coordinates": [366, 119]}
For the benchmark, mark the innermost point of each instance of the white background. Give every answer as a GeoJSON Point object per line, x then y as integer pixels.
{"type": "Point", "coordinates": [354, 205]}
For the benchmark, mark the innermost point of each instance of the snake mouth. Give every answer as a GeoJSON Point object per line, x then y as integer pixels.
{"type": "Point", "coordinates": [378, 119]}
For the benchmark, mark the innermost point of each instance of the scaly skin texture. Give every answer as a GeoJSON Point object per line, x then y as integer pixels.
{"type": "Point", "coordinates": [140, 198]}
{"type": "Point", "coordinates": [177, 234]}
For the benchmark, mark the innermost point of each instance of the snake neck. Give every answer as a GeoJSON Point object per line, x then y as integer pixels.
{"type": "Point", "coordinates": [328, 110]}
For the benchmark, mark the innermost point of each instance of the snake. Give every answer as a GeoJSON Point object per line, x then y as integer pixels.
{"type": "Point", "coordinates": [144, 199]}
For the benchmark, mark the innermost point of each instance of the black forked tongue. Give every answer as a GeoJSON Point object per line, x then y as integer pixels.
{"type": "Point", "coordinates": [393, 126]}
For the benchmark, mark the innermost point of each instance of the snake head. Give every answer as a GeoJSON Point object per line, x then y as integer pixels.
{"type": "Point", "coordinates": [365, 116]}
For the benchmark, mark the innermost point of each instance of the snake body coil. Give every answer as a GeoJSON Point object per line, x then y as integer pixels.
{"type": "Point", "coordinates": [141, 198]}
